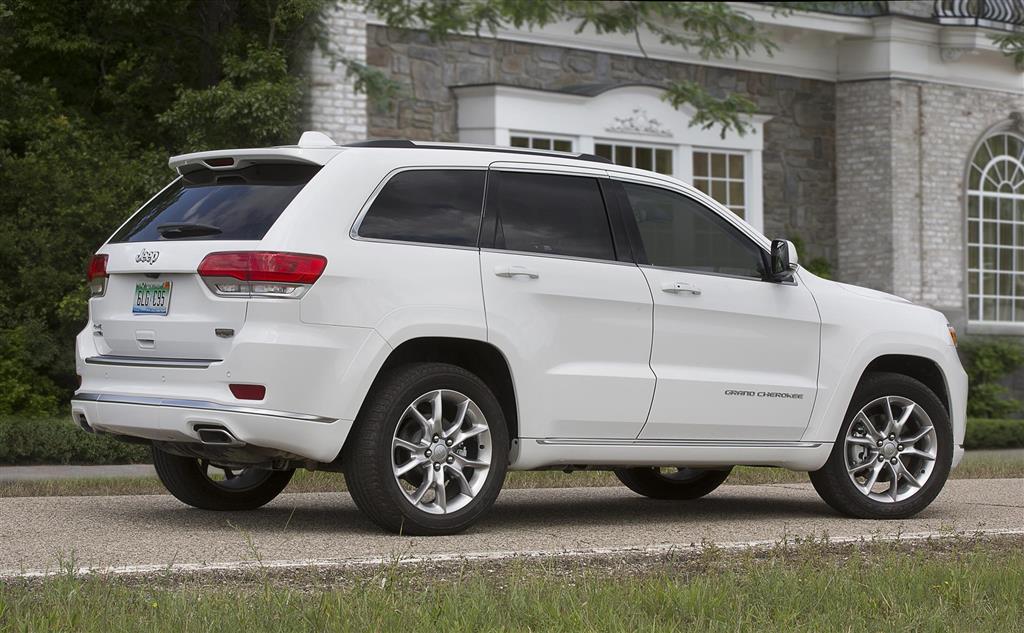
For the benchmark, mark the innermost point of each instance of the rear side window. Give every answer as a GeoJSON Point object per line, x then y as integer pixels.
{"type": "Point", "coordinates": [432, 206]}
{"type": "Point", "coordinates": [550, 214]}
{"type": "Point", "coordinates": [238, 204]}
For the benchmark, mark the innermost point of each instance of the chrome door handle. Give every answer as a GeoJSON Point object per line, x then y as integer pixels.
{"type": "Point", "coordinates": [515, 271]}
{"type": "Point", "coordinates": [680, 287]}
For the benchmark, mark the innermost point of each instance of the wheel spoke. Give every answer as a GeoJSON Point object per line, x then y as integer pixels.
{"type": "Point", "coordinates": [861, 441]}
{"type": "Point", "coordinates": [460, 418]}
{"type": "Point", "coordinates": [425, 485]}
{"type": "Point", "coordinates": [440, 494]}
{"type": "Point", "coordinates": [409, 446]}
{"type": "Point", "coordinates": [914, 452]}
{"type": "Point", "coordinates": [872, 431]}
{"type": "Point", "coordinates": [906, 474]}
{"type": "Point", "coordinates": [460, 477]}
{"type": "Point", "coordinates": [412, 464]}
{"type": "Point", "coordinates": [424, 423]}
{"type": "Point", "coordinates": [472, 432]}
{"type": "Point", "coordinates": [859, 467]}
{"type": "Point", "coordinates": [872, 479]}
{"type": "Point", "coordinates": [437, 410]}
{"type": "Point", "coordinates": [890, 423]}
{"type": "Point", "coordinates": [913, 439]}
{"type": "Point", "coordinates": [894, 481]}
{"type": "Point", "coordinates": [904, 417]}
{"type": "Point", "coordinates": [466, 462]}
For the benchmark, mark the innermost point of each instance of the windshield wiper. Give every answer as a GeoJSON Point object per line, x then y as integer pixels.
{"type": "Point", "coordinates": [174, 231]}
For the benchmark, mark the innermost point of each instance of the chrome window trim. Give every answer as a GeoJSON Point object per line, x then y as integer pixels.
{"type": "Point", "coordinates": [353, 232]}
{"type": "Point", "coordinates": [145, 361]}
{"type": "Point", "coordinates": [591, 260]}
{"type": "Point", "coordinates": [201, 405]}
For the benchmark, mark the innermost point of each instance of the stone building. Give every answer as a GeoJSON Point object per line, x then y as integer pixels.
{"type": "Point", "coordinates": [888, 139]}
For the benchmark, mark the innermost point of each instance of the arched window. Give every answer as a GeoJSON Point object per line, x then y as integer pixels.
{"type": "Point", "coordinates": [995, 231]}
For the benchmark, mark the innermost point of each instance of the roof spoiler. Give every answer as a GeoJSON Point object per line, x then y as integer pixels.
{"type": "Point", "coordinates": [314, 148]}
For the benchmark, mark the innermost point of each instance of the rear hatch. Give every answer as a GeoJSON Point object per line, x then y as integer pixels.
{"type": "Point", "coordinates": [154, 303]}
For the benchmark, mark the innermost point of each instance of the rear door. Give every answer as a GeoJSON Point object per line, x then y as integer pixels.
{"type": "Point", "coordinates": [736, 357]}
{"type": "Point", "coordinates": [155, 304]}
{"type": "Point", "coordinates": [566, 304]}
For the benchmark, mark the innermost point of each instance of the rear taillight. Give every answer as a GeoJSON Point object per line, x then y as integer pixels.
{"type": "Point", "coordinates": [261, 273]}
{"type": "Point", "coordinates": [97, 275]}
{"type": "Point", "coordinates": [248, 392]}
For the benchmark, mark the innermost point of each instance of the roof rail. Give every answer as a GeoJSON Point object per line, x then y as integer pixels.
{"type": "Point", "coordinates": [408, 144]}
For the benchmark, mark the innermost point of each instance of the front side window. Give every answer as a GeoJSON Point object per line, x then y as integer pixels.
{"type": "Point", "coordinates": [432, 206]}
{"type": "Point", "coordinates": [549, 214]}
{"type": "Point", "coordinates": [995, 231]}
{"type": "Point", "coordinates": [656, 159]}
{"type": "Point", "coordinates": [678, 232]}
{"type": "Point", "coordinates": [721, 176]}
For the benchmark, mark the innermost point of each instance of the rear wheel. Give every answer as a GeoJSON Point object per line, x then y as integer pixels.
{"type": "Point", "coordinates": [201, 484]}
{"type": "Point", "coordinates": [429, 452]}
{"type": "Point", "coordinates": [893, 453]}
{"type": "Point", "coordinates": [672, 483]}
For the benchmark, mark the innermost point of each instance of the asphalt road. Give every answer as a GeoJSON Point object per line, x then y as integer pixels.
{"type": "Point", "coordinates": [37, 533]}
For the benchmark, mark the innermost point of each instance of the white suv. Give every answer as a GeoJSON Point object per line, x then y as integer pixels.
{"type": "Point", "coordinates": [424, 317]}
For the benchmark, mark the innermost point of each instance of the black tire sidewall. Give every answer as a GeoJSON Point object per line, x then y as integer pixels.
{"type": "Point", "coordinates": [184, 479]}
{"type": "Point", "coordinates": [649, 483]}
{"type": "Point", "coordinates": [833, 483]}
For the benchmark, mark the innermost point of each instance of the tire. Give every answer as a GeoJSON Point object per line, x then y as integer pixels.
{"type": "Point", "coordinates": [836, 485]}
{"type": "Point", "coordinates": [186, 478]}
{"type": "Point", "coordinates": [381, 440]}
{"type": "Point", "coordinates": [685, 483]}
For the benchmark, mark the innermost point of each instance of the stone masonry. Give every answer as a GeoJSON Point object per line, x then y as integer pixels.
{"type": "Point", "coordinates": [799, 169]}
{"type": "Point", "coordinates": [902, 152]}
{"type": "Point", "coordinates": [334, 106]}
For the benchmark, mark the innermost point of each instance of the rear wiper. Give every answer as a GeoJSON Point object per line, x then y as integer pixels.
{"type": "Point", "coordinates": [173, 231]}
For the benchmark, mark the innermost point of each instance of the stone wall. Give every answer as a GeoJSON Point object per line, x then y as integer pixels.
{"type": "Point", "coordinates": [333, 105]}
{"type": "Point", "coordinates": [799, 144]}
{"type": "Point", "coordinates": [902, 152]}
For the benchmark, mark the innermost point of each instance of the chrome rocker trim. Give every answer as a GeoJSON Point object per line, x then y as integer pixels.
{"type": "Point", "coordinates": [203, 405]}
{"type": "Point", "coordinates": [143, 361]}
{"type": "Point", "coordinates": [568, 441]}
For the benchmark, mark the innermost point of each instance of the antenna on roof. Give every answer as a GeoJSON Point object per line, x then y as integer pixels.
{"type": "Point", "coordinates": [316, 139]}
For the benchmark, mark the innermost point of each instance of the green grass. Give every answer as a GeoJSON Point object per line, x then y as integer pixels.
{"type": "Point", "coordinates": [934, 587]}
{"type": "Point", "coordinates": [987, 465]}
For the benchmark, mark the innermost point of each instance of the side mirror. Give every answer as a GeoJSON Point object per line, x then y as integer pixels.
{"type": "Point", "coordinates": [784, 260]}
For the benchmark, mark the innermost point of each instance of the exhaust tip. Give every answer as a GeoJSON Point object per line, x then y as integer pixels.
{"type": "Point", "coordinates": [217, 435]}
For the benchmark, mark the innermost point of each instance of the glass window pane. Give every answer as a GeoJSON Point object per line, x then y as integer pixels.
{"type": "Point", "coordinates": [663, 161]}
{"type": "Point", "coordinates": [988, 311]}
{"type": "Point", "coordinates": [563, 146]}
{"type": "Point", "coordinates": [550, 214]}
{"type": "Point", "coordinates": [718, 191]}
{"type": "Point", "coordinates": [736, 165]}
{"type": "Point", "coordinates": [972, 284]}
{"type": "Point", "coordinates": [701, 184]}
{"type": "Point", "coordinates": [1006, 234]}
{"type": "Point", "coordinates": [989, 231]}
{"type": "Point", "coordinates": [989, 206]}
{"type": "Point", "coordinates": [988, 284]}
{"type": "Point", "coordinates": [1005, 208]}
{"type": "Point", "coordinates": [1006, 259]}
{"type": "Point", "coordinates": [624, 155]}
{"type": "Point", "coordinates": [603, 150]}
{"type": "Point", "coordinates": [1005, 308]}
{"type": "Point", "coordinates": [434, 206]}
{"type": "Point", "coordinates": [972, 231]}
{"type": "Point", "coordinates": [972, 206]}
{"type": "Point", "coordinates": [736, 193]}
{"type": "Point", "coordinates": [988, 258]}
{"type": "Point", "coordinates": [739, 211]}
{"type": "Point", "coordinates": [644, 158]}
{"type": "Point", "coordinates": [679, 232]}
{"type": "Point", "coordinates": [718, 165]}
{"type": "Point", "coordinates": [700, 164]}
{"type": "Point", "coordinates": [541, 143]}
{"type": "Point", "coordinates": [972, 257]}
{"type": "Point", "coordinates": [974, 309]}
{"type": "Point", "coordinates": [519, 141]}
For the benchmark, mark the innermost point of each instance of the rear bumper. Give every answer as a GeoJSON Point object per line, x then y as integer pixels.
{"type": "Point", "coordinates": [174, 420]}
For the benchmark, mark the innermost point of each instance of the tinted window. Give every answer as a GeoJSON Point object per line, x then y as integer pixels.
{"type": "Point", "coordinates": [679, 232]}
{"type": "Point", "coordinates": [238, 204]}
{"type": "Point", "coordinates": [550, 214]}
{"type": "Point", "coordinates": [435, 206]}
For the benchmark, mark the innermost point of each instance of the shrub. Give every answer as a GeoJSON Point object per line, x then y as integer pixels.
{"type": "Point", "coordinates": [60, 441]}
{"type": "Point", "coordinates": [987, 361]}
{"type": "Point", "coordinates": [982, 433]}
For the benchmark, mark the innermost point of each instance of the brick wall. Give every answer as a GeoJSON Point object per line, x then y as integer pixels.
{"type": "Point", "coordinates": [799, 187]}
{"type": "Point", "coordinates": [333, 106]}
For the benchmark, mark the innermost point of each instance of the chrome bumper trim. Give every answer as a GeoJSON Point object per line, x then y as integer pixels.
{"type": "Point", "coordinates": [202, 405]}
{"type": "Point", "coordinates": [569, 441]}
{"type": "Point", "coordinates": [144, 361]}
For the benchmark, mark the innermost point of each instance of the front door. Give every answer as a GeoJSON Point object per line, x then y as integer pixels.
{"type": "Point", "coordinates": [736, 357]}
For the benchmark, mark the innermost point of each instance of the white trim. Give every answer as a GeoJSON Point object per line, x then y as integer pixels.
{"type": "Point", "coordinates": [628, 115]}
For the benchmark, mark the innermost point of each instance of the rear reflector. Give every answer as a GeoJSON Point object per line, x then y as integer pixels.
{"type": "Point", "coordinates": [248, 392]}
{"type": "Point", "coordinates": [285, 268]}
{"type": "Point", "coordinates": [220, 162]}
{"type": "Point", "coordinates": [97, 275]}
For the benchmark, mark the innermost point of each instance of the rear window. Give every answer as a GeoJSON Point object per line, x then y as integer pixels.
{"type": "Point", "coordinates": [238, 204]}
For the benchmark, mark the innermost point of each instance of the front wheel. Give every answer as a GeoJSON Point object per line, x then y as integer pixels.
{"type": "Point", "coordinates": [207, 486]}
{"type": "Point", "coordinates": [429, 452]}
{"type": "Point", "coordinates": [672, 483]}
{"type": "Point", "coordinates": [893, 453]}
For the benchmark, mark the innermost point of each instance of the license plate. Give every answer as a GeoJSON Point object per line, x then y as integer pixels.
{"type": "Point", "coordinates": [152, 298]}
